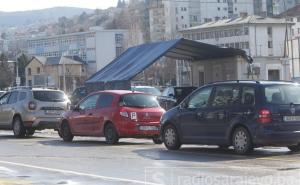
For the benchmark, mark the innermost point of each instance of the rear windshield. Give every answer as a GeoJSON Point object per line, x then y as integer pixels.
{"type": "Point", "coordinates": [282, 94]}
{"type": "Point", "coordinates": [49, 96]}
{"type": "Point", "coordinates": [138, 100]}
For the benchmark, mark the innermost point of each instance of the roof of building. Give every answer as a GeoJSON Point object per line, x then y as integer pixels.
{"type": "Point", "coordinates": [253, 19]}
{"type": "Point", "coordinates": [294, 11]}
{"type": "Point", "coordinates": [136, 59]}
{"type": "Point", "coordinates": [75, 60]}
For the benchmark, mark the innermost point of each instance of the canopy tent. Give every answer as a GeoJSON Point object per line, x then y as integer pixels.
{"type": "Point", "coordinates": [136, 59]}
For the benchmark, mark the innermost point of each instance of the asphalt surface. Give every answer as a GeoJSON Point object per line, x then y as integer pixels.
{"type": "Point", "coordinates": [45, 159]}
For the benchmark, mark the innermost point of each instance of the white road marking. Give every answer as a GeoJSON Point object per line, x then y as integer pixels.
{"type": "Point", "coordinates": [78, 173]}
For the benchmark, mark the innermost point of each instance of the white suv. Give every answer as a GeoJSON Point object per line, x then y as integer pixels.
{"type": "Point", "coordinates": [25, 110]}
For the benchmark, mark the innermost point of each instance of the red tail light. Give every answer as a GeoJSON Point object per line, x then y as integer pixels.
{"type": "Point", "coordinates": [31, 105]}
{"type": "Point", "coordinates": [264, 116]}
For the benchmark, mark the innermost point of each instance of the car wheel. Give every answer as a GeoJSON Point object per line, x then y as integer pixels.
{"type": "Point", "coordinates": [294, 148]}
{"type": "Point", "coordinates": [111, 135]}
{"type": "Point", "coordinates": [241, 141]}
{"type": "Point", "coordinates": [30, 131]}
{"type": "Point", "coordinates": [171, 138]}
{"type": "Point", "coordinates": [157, 140]}
{"type": "Point", "coordinates": [66, 133]}
{"type": "Point", "coordinates": [18, 127]}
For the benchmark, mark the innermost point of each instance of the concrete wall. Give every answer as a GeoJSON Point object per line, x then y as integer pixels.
{"type": "Point", "coordinates": [215, 70]}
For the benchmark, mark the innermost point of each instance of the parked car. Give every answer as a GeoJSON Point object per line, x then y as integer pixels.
{"type": "Point", "coordinates": [25, 110]}
{"type": "Point", "coordinates": [113, 114]}
{"type": "Point", "coordinates": [173, 96]}
{"type": "Point", "coordinates": [78, 94]}
{"type": "Point", "coordinates": [244, 114]}
{"type": "Point", "coordinates": [147, 89]}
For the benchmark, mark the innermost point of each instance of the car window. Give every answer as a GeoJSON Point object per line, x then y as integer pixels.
{"type": "Point", "coordinates": [49, 96]}
{"type": "Point", "coordinates": [89, 103]}
{"type": "Point", "coordinates": [22, 96]}
{"type": "Point", "coordinates": [248, 96]}
{"type": "Point", "coordinates": [282, 94]}
{"type": "Point", "coordinates": [13, 98]}
{"type": "Point", "coordinates": [165, 92]}
{"type": "Point", "coordinates": [226, 96]}
{"type": "Point", "coordinates": [200, 99]}
{"type": "Point", "coordinates": [4, 99]}
{"type": "Point", "coordinates": [139, 101]}
{"type": "Point", "coordinates": [105, 100]}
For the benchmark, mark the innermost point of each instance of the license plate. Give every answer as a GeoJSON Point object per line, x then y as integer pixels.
{"type": "Point", "coordinates": [148, 128]}
{"type": "Point", "coordinates": [53, 112]}
{"type": "Point", "coordinates": [291, 118]}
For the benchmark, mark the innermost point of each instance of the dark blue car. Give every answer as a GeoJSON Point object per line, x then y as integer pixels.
{"type": "Point", "coordinates": [242, 114]}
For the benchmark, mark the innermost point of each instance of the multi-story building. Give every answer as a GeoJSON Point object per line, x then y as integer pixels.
{"type": "Point", "coordinates": [167, 17]}
{"type": "Point", "coordinates": [96, 47]}
{"type": "Point", "coordinates": [293, 51]}
{"type": "Point", "coordinates": [272, 7]}
{"type": "Point", "coordinates": [262, 38]}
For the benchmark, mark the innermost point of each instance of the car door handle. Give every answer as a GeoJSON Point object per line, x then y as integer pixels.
{"type": "Point", "coordinates": [90, 114]}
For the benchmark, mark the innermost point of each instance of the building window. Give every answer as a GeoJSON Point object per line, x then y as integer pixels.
{"type": "Point", "coordinates": [119, 51]}
{"type": "Point", "coordinates": [298, 30]}
{"type": "Point", "coordinates": [270, 44]}
{"type": "Point", "coordinates": [29, 71]}
{"type": "Point", "coordinates": [270, 31]}
{"type": "Point", "coordinates": [182, 17]}
{"type": "Point", "coordinates": [119, 38]}
{"type": "Point", "coordinates": [29, 82]}
{"type": "Point", "coordinates": [246, 30]}
{"type": "Point", "coordinates": [298, 19]}
{"type": "Point", "coordinates": [218, 1]}
{"type": "Point", "coordinates": [218, 8]}
{"type": "Point", "coordinates": [38, 70]}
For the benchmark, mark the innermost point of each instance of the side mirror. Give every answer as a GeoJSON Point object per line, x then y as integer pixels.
{"type": "Point", "coordinates": [183, 105]}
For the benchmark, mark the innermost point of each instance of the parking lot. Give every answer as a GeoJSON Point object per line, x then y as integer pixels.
{"type": "Point", "coordinates": [46, 159]}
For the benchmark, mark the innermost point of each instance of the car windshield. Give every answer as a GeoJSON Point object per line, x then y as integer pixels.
{"type": "Point", "coordinates": [138, 100]}
{"type": "Point", "coordinates": [149, 90]}
{"type": "Point", "coordinates": [49, 96]}
{"type": "Point", "coordinates": [282, 94]}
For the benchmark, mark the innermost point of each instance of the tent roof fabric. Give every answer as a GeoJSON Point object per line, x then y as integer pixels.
{"type": "Point", "coordinates": [136, 59]}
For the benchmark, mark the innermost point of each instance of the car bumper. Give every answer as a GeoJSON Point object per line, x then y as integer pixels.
{"type": "Point", "coordinates": [41, 123]}
{"type": "Point", "coordinates": [277, 138]}
{"type": "Point", "coordinates": [136, 130]}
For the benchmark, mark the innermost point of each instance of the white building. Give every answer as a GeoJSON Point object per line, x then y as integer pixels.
{"type": "Point", "coordinates": [97, 47]}
{"type": "Point", "coordinates": [293, 15]}
{"type": "Point", "coordinates": [262, 38]}
{"type": "Point", "coordinates": [167, 17]}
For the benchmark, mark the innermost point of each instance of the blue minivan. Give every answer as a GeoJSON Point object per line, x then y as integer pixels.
{"type": "Point", "coordinates": [242, 114]}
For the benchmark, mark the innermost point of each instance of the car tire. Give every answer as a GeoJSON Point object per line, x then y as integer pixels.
{"type": "Point", "coordinates": [111, 135]}
{"type": "Point", "coordinates": [66, 133]}
{"type": "Point", "coordinates": [30, 131]}
{"type": "Point", "coordinates": [241, 141]}
{"type": "Point", "coordinates": [294, 148]}
{"type": "Point", "coordinates": [171, 138]}
{"type": "Point", "coordinates": [157, 140]}
{"type": "Point", "coordinates": [18, 127]}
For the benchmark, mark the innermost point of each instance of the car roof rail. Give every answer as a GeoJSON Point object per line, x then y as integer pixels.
{"type": "Point", "coordinates": [31, 87]}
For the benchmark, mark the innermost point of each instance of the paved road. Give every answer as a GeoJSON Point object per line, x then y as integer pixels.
{"type": "Point", "coordinates": [45, 160]}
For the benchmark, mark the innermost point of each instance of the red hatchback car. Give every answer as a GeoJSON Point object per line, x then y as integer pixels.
{"type": "Point", "coordinates": [114, 115]}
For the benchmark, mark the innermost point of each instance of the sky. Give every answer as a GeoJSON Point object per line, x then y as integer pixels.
{"type": "Point", "coordinates": [23, 5]}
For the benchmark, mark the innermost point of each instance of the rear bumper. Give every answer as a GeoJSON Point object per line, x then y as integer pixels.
{"type": "Point", "coordinates": [41, 123]}
{"type": "Point", "coordinates": [277, 138]}
{"type": "Point", "coordinates": [133, 130]}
